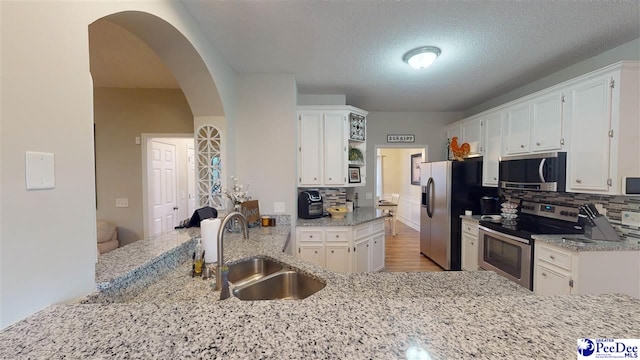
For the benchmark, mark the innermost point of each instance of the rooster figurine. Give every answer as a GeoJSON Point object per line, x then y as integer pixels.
{"type": "Point", "coordinates": [459, 152]}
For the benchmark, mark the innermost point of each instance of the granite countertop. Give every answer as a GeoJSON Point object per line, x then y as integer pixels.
{"type": "Point", "coordinates": [358, 216]}
{"type": "Point", "coordinates": [597, 245]}
{"type": "Point", "coordinates": [475, 218]}
{"type": "Point", "coordinates": [444, 328]}
{"type": "Point", "coordinates": [368, 315]}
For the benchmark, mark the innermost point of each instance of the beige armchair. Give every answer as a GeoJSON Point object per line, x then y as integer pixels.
{"type": "Point", "coordinates": [107, 236]}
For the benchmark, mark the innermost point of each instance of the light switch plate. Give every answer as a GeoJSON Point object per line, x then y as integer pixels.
{"type": "Point", "coordinates": [630, 218]}
{"type": "Point", "coordinates": [39, 170]}
{"type": "Point", "coordinates": [278, 207]}
{"type": "Point", "coordinates": [368, 196]}
{"type": "Point", "coordinates": [122, 202]}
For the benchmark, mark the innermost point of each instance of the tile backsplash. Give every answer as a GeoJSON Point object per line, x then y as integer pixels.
{"type": "Point", "coordinates": [331, 196]}
{"type": "Point", "coordinates": [614, 205]}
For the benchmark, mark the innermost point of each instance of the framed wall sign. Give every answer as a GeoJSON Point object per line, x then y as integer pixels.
{"type": "Point", "coordinates": [416, 159]}
{"type": "Point", "coordinates": [354, 175]}
{"type": "Point", "coordinates": [401, 138]}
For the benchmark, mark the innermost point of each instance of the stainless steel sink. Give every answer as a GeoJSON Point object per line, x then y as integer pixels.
{"type": "Point", "coordinates": [287, 284]}
{"type": "Point", "coordinates": [251, 270]}
{"type": "Point", "coordinates": [577, 241]}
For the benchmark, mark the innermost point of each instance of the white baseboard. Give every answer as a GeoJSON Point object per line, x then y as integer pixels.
{"type": "Point", "coordinates": [412, 224]}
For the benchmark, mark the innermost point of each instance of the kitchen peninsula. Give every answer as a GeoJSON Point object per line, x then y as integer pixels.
{"type": "Point", "coordinates": [357, 315]}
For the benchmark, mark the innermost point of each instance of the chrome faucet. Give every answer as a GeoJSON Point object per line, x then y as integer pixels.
{"type": "Point", "coordinates": [245, 231]}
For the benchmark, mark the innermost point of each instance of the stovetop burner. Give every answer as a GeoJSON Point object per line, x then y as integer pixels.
{"type": "Point", "coordinates": [539, 219]}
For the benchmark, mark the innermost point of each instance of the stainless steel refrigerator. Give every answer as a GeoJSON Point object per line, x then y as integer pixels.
{"type": "Point", "coordinates": [448, 189]}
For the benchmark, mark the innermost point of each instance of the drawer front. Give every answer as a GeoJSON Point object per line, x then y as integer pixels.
{"type": "Point", "coordinates": [338, 235]}
{"type": "Point", "coordinates": [470, 227]}
{"type": "Point", "coordinates": [377, 226]}
{"type": "Point", "coordinates": [551, 256]}
{"type": "Point", "coordinates": [362, 231]}
{"type": "Point", "coordinates": [311, 235]}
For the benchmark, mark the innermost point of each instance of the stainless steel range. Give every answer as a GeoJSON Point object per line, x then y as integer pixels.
{"type": "Point", "coordinates": [507, 247]}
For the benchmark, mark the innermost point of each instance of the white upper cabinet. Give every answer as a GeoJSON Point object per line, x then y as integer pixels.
{"type": "Point", "coordinates": [335, 149]}
{"type": "Point", "coordinates": [472, 134]}
{"type": "Point", "coordinates": [323, 146]}
{"type": "Point", "coordinates": [595, 118]}
{"type": "Point", "coordinates": [605, 126]}
{"type": "Point", "coordinates": [492, 124]}
{"type": "Point", "coordinates": [546, 122]}
{"type": "Point", "coordinates": [454, 131]}
{"type": "Point", "coordinates": [310, 148]}
{"type": "Point", "coordinates": [517, 129]}
{"type": "Point", "coordinates": [470, 131]}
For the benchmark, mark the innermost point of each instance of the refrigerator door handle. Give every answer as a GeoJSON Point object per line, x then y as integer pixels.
{"type": "Point", "coordinates": [430, 197]}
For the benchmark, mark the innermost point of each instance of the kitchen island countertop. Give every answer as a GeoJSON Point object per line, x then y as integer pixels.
{"type": "Point", "coordinates": [372, 315]}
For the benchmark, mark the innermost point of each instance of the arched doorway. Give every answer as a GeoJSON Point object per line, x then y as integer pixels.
{"type": "Point", "coordinates": [170, 75]}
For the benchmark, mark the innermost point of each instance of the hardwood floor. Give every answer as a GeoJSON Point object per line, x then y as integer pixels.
{"type": "Point", "coordinates": [403, 251]}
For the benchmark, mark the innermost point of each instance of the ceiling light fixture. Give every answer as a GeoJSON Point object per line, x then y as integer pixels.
{"type": "Point", "coordinates": [422, 57]}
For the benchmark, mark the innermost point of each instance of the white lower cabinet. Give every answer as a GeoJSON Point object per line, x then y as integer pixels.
{"type": "Point", "coordinates": [377, 252]}
{"type": "Point", "coordinates": [338, 257]}
{"type": "Point", "coordinates": [561, 271]}
{"type": "Point", "coordinates": [361, 256]}
{"type": "Point", "coordinates": [343, 248]}
{"type": "Point", "coordinates": [552, 281]}
{"type": "Point", "coordinates": [470, 235]}
{"type": "Point", "coordinates": [312, 253]}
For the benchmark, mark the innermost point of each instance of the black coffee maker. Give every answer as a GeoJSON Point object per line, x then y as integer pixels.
{"type": "Point", "coordinates": [489, 205]}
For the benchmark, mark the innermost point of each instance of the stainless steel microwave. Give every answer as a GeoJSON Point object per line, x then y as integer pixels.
{"type": "Point", "coordinates": [538, 172]}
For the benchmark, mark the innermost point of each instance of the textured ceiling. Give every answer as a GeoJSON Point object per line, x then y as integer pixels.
{"type": "Point", "coordinates": [355, 47]}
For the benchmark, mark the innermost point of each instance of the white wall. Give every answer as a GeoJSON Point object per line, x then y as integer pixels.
{"type": "Point", "coordinates": [428, 128]}
{"type": "Point", "coordinates": [266, 136]}
{"type": "Point", "coordinates": [47, 106]}
{"type": "Point", "coordinates": [120, 116]}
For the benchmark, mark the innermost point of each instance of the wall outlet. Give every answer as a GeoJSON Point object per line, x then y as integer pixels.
{"type": "Point", "coordinates": [630, 218]}
{"type": "Point", "coordinates": [122, 202]}
{"type": "Point", "coordinates": [368, 196]}
{"type": "Point", "coordinates": [278, 207]}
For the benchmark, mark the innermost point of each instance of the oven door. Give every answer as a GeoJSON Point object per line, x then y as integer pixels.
{"type": "Point", "coordinates": [507, 255]}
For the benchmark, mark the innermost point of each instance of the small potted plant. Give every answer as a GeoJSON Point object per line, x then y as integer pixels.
{"type": "Point", "coordinates": [356, 155]}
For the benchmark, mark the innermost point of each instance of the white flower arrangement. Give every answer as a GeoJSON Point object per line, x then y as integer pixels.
{"type": "Point", "coordinates": [238, 193]}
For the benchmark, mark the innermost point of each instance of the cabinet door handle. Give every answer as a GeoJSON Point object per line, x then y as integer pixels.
{"type": "Point", "coordinates": [310, 236]}
{"type": "Point", "coordinates": [538, 144]}
{"type": "Point", "coordinates": [579, 181]}
{"type": "Point", "coordinates": [316, 251]}
{"type": "Point", "coordinates": [332, 251]}
{"type": "Point", "coordinates": [552, 257]}
{"type": "Point", "coordinates": [544, 274]}
{"type": "Point", "coordinates": [495, 179]}
{"type": "Point", "coordinates": [337, 236]}
{"type": "Point", "coordinates": [329, 178]}
{"type": "Point", "coordinates": [315, 178]}
{"type": "Point", "coordinates": [522, 146]}
{"type": "Point", "coordinates": [472, 243]}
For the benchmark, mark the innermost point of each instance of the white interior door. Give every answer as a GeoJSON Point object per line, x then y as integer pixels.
{"type": "Point", "coordinates": [162, 187]}
{"type": "Point", "coordinates": [191, 180]}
